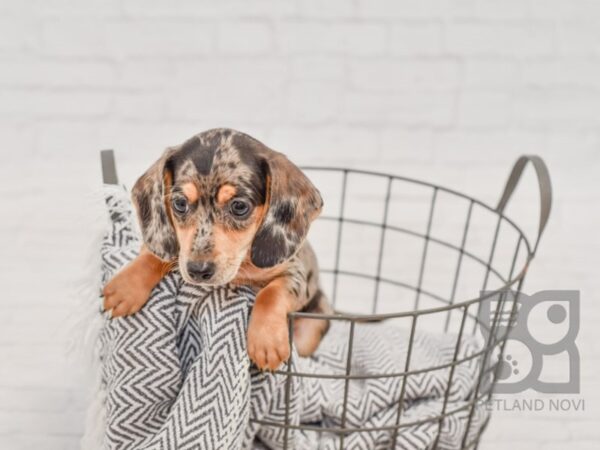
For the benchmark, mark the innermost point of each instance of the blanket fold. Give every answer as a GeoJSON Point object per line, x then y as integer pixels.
{"type": "Point", "coordinates": [176, 375]}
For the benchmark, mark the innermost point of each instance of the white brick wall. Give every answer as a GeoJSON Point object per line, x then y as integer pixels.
{"type": "Point", "coordinates": [450, 91]}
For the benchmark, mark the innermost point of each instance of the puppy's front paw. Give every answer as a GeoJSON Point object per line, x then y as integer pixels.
{"type": "Point", "coordinates": [268, 340]}
{"type": "Point", "coordinates": [126, 293]}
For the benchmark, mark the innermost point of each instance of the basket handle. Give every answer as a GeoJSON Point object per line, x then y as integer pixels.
{"type": "Point", "coordinates": [109, 167]}
{"type": "Point", "coordinates": [545, 185]}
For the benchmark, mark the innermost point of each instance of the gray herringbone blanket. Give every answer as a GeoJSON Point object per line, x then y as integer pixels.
{"type": "Point", "coordinates": [177, 376]}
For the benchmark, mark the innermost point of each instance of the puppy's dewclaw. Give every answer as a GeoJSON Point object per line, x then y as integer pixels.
{"type": "Point", "coordinates": [223, 200]}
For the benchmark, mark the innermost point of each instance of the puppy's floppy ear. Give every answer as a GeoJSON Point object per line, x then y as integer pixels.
{"type": "Point", "coordinates": [293, 203]}
{"type": "Point", "coordinates": [149, 198]}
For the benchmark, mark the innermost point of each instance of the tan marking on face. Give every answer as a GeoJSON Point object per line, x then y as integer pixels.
{"type": "Point", "coordinates": [226, 193]}
{"type": "Point", "coordinates": [230, 243]}
{"type": "Point", "coordinates": [190, 191]}
{"type": "Point", "coordinates": [185, 237]}
{"type": "Point", "coordinates": [234, 242]}
{"type": "Point", "coordinates": [232, 246]}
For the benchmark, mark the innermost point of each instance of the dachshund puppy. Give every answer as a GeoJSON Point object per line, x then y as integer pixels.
{"type": "Point", "coordinates": [224, 208]}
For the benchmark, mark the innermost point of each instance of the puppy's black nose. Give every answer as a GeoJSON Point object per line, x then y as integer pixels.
{"type": "Point", "coordinates": [201, 270]}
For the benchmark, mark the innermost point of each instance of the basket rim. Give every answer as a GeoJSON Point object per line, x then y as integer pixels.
{"type": "Point", "coordinates": [357, 317]}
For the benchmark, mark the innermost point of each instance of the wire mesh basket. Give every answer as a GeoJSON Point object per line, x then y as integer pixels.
{"type": "Point", "coordinates": [426, 258]}
{"type": "Point", "coordinates": [402, 250]}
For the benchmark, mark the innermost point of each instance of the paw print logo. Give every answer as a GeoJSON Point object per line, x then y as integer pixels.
{"type": "Point", "coordinates": [545, 327]}
{"type": "Point", "coordinates": [508, 367]}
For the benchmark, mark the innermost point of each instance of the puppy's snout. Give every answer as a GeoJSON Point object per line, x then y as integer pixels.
{"type": "Point", "coordinates": [201, 270]}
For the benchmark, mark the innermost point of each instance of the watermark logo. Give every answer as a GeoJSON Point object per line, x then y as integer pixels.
{"type": "Point", "coordinates": [540, 352]}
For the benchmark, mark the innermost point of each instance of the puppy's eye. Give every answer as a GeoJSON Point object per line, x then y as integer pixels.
{"type": "Point", "coordinates": [180, 204]}
{"type": "Point", "coordinates": [239, 208]}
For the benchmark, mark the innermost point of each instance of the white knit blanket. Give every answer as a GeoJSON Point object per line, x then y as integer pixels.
{"type": "Point", "coordinates": [176, 375]}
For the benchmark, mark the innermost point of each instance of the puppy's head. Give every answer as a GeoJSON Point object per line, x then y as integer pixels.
{"type": "Point", "coordinates": [220, 198]}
